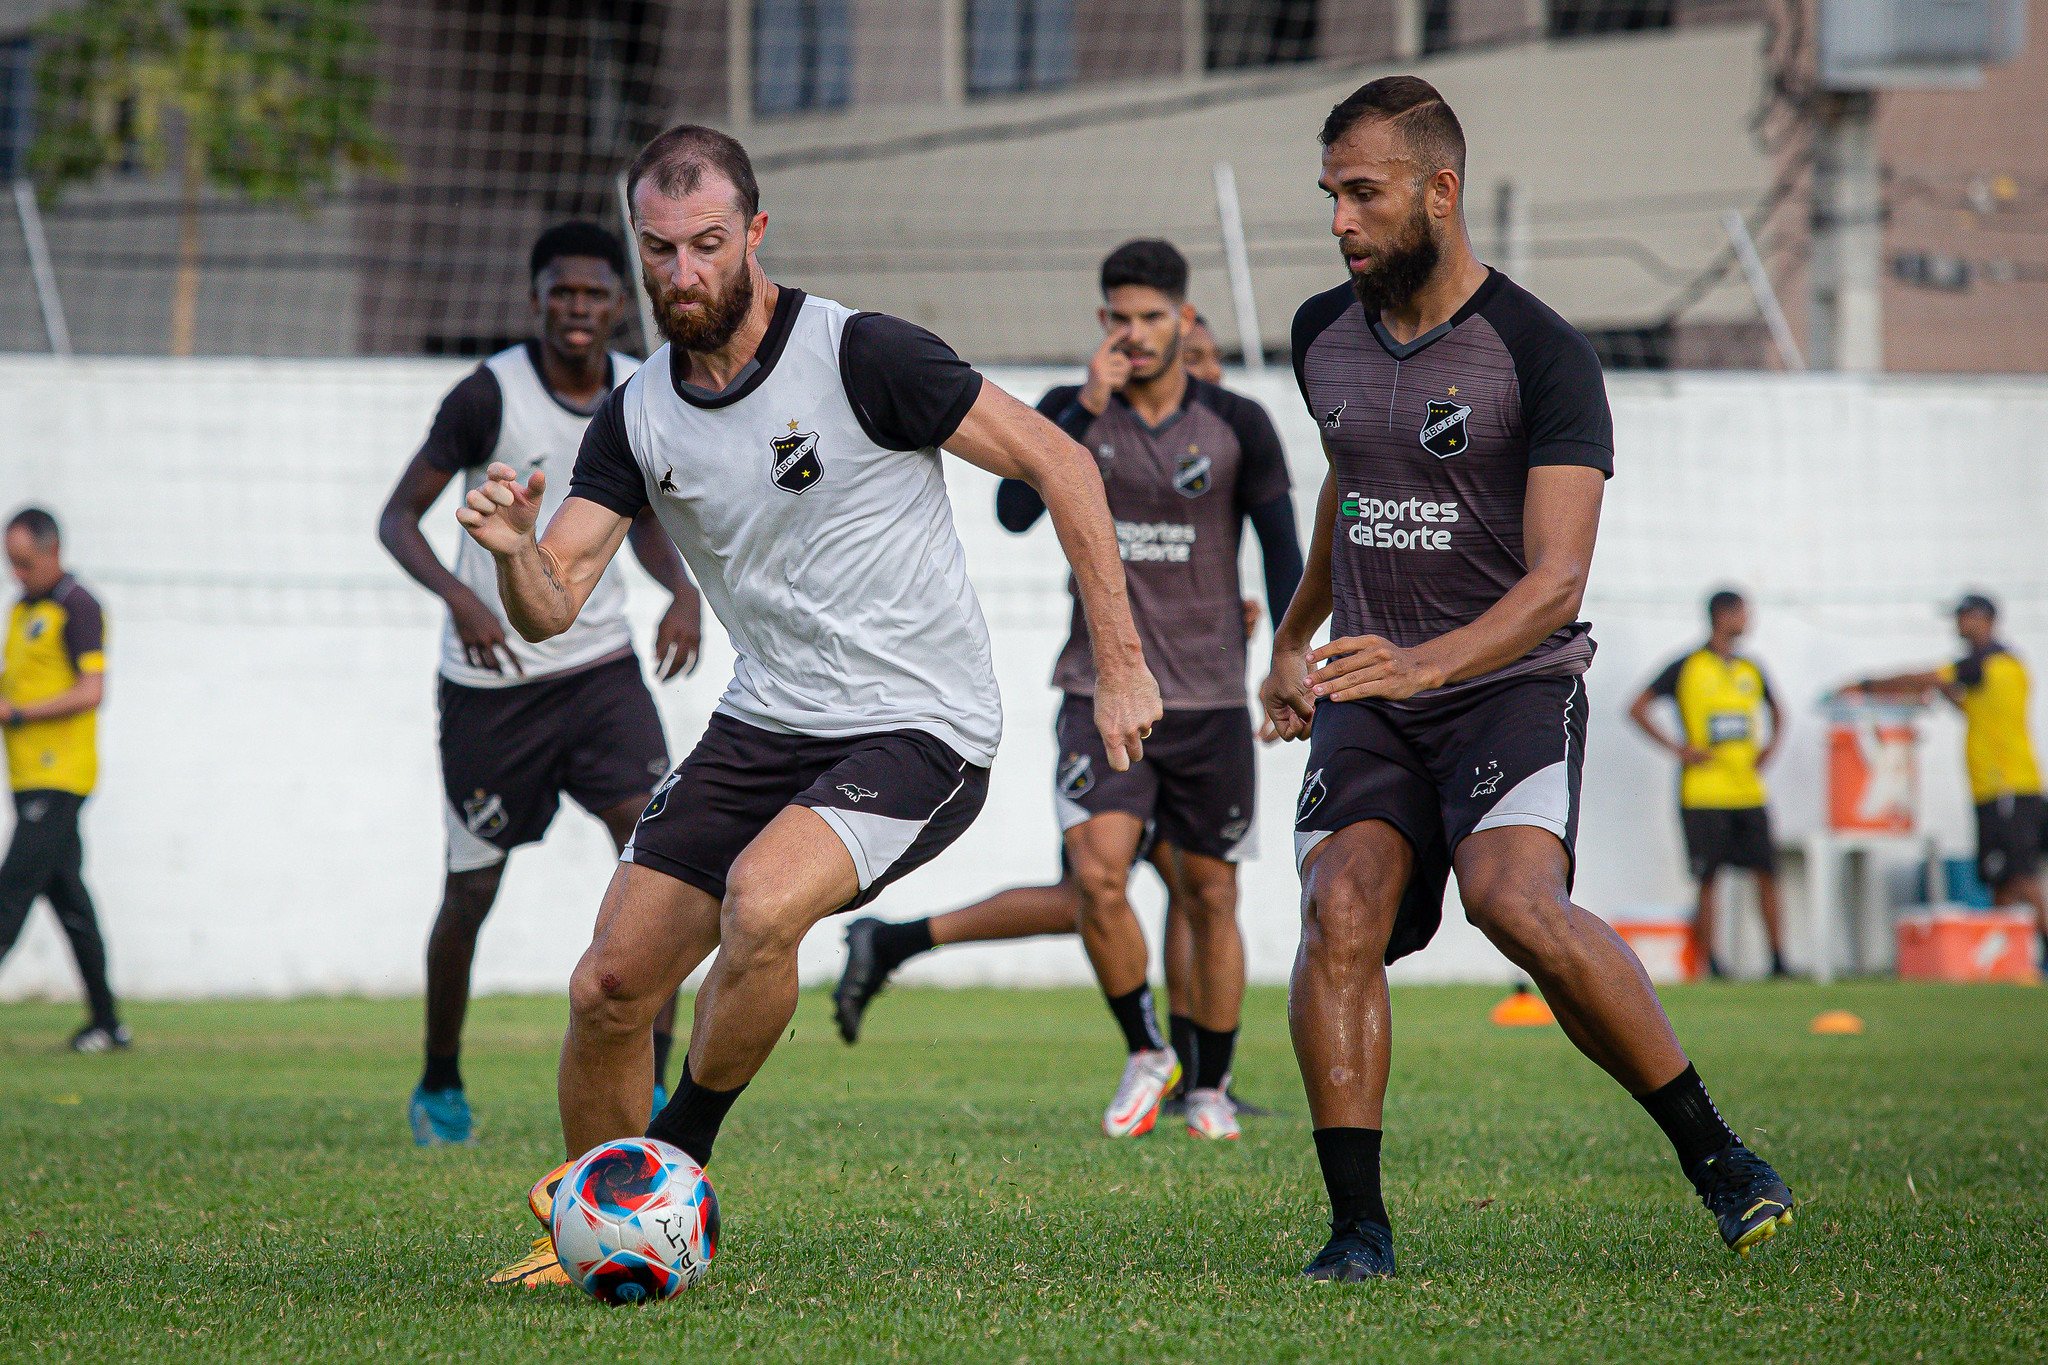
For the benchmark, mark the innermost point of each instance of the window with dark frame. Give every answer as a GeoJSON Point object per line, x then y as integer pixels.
{"type": "Point", "coordinates": [1253, 33]}
{"type": "Point", "coordinates": [803, 56]}
{"type": "Point", "coordinates": [1583, 18]}
{"type": "Point", "coordinates": [1017, 46]}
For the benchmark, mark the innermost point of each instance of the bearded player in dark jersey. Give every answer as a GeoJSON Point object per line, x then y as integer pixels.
{"type": "Point", "coordinates": [1468, 436]}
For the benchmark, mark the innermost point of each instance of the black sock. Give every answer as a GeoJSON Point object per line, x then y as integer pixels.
{"type": "Point", "coordinates": [442, 1073]}
{"type": "Point", "coordinates": [1180, 1031]}
{"type": "Point", "coordinates": [693, 1116]}
{"type": "Point", "coordinates": [896, 944]}
{"type": "Point", "coordinates": [1133, 1011]}
{"type": "Point", "coordinates": [1350, 1159]}
{"type": "Point", "coordinates": [1213, 1051]}
{"type": "Point", "coordinates": [663, 1042]}
{"type": "Point", "coordinates": [1689, 1119]}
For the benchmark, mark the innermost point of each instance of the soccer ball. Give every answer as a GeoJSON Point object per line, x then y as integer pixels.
{"type": "Point", "coordinates": [635, 1220]}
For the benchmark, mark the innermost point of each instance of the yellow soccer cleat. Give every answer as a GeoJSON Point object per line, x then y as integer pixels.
{"type": "Point", "coordinates": [541, 1198]}
{"type": "Point", "coordinates": [536, 1268]}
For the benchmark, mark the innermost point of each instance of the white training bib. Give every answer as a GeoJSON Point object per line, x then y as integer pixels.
{"type": "Point", "coordinates": [831, 560]}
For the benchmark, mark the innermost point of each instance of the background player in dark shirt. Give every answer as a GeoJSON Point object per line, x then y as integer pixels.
{"type": "Point", "coordinates": [1468, 438]}
{"type": "Point", "coordinates": [592, 731]}
{"type": "Point", "coordinates": [1186, 464]}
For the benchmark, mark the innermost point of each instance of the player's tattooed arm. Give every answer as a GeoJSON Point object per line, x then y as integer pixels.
{"type": "Point", "coordinates": [543, 583]}
{"type": "Point", "coordinates": [1010, 440]}
{"type": "Point", "coordinates": [1560, 522]}
{"type": "Point", "coordinates": [1285, 696]}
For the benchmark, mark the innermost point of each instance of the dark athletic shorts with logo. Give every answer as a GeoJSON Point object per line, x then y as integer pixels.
{"type": "Point", "coordinates": [896, 799]}
{"type": "Point", "coordinates": [1194, 787]}
{"type": "Point", "coordinates": [1715, 839]}
{"type": "Point", "coordinates": [1510, 753]}
{"type": "Point", "coordinates": [508, 754]}
{"type": "Point", "coordinates": [2010, 833]}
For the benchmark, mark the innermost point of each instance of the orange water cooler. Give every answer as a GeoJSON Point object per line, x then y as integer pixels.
{"type": "Point", "coordinates": [1873, 769]}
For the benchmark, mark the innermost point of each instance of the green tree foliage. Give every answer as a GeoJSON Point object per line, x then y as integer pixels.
{"type": "Point", "coordinates": [267, 99]}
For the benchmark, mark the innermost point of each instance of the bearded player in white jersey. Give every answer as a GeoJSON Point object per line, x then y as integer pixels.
{"type": "Point", "coordinates": [790, 448]}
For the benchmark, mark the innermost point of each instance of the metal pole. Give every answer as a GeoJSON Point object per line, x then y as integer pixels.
{"type": "Point", "coordinates": [650, 336]}
{"type": "Point", "coordinates": [1760, 286]}
{"type": "Point", "coordinates": [1848, 222]}
{"type": "Point", "coordinates": [1239, 264]}
{"type": "Point", "coordinates": [31, 216]}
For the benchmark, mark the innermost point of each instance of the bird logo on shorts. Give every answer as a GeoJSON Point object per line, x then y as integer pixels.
{"type": "Point", "coordinates": [1312, 793]}
{"type": "Point", "coordinates": [1077, 775]}
{"type": "Point", "coordinates": [1489, 780]}
{"type": "Point", "coordinates": [856, 794]}
{"type": "Point", "coordinates": [484, 814]}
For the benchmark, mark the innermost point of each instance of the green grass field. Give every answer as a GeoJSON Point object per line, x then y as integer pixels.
{"type": "Point", "coordinates": [241, 1186]}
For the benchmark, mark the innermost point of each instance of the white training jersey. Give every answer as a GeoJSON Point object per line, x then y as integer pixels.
{"type": "Point", "coordinates": [809, 502]}
{"type": "Point", "coordinates": [505, 412]}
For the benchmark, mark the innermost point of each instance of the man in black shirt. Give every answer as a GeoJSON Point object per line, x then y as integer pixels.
{"type": "Point", "coordinates": [1468, 436]}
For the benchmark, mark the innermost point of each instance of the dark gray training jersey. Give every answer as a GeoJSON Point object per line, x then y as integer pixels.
{"type": "Point", "coordinates": [1431, 444]}
{"type": "Point", "coordinates": [1179, 493]}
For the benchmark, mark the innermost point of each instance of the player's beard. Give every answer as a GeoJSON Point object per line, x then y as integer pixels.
{"type": "Point", "coordinates": [1166, 358]}
{"type": "Point", "coordinates": [1398, 269]}
{"type": "Point", "coordinates": [712, 324]}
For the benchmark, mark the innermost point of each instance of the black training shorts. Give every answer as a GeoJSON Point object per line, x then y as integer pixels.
{"type": "Point", "coordinates": [1716, 838]}
{"type": "Point", "coordinates": [509, 754]}
{"type": "Point", "coordinates": [1194, 787]}
{"type": "Point", "coordinates": [2009, 838]}
{"type": "Point", "coordinates": [895, 799]}
{"type": "Point", "coordinates": [1510, 753]}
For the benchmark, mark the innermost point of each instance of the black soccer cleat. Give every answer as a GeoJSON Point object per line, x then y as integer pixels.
{"type": "Point", "coordinates": [1746, 1197]}
{"type": "Point", "coordinates": [861, 981]}
{"type": "Point", "coordinates": [1357, 1250]}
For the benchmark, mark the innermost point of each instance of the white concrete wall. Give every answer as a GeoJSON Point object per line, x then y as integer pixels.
{"type": "Point", "coordinates": [268, 820]}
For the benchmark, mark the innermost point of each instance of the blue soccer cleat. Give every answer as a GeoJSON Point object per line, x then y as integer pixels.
{"type": "Point", "coordinates": [1357, 1250]}
{"type": "Point", "coordinates": [1748, 1200]}
{"type": "Point", "coordinates": [439, 1117]}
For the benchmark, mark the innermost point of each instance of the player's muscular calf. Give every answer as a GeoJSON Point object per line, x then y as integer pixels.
{"type": "Point", "coordinates": [1512, 883]}
{"type": "Point", "coordinates": [1208, 898]}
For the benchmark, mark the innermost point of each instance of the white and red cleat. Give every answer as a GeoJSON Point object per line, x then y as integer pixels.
{"type": "Point", "coordinates": [1148, 1076]}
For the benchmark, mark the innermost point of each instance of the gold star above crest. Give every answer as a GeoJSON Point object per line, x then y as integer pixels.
{"type": "Point", "coordinates": [1454, 390]}
{"type": "Point", "coordinates": [792, 424]}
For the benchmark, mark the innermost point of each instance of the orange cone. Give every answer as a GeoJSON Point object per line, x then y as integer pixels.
{"type": "Point", "coordinates": [1836, 1021]}
{"type": "Point", "coordinates": [1523, 1009]}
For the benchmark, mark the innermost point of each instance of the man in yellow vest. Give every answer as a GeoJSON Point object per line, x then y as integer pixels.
{"type": "Point", "coordinates": [1989, 685]}
{"type": "Point", "coordinates": [51, 683]}
{"type": "Point", "coordinates": [1722, 747]}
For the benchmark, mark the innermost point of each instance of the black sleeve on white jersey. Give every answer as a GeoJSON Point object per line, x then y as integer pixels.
{"type": "Point", "coordinates": [909, 389]}
{"type": "Point", "coordinates": [465, 430]}
{"type": "Point", "coordinates": [1665, 684]}
{"type": "Point", "coordinates": [1062, 407]}
{"type": "Point", "coordinates": [1564, 399]}
{"type": "Point", "coordinates": [1311, 320]}
{"type": "Point", "coordinates": [1018, 506]}
{"type": "Point", "coordinates": [606, 472]}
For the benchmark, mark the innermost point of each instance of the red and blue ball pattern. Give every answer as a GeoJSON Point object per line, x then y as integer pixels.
{"type": "Point", "coordinates": [635, 1220]}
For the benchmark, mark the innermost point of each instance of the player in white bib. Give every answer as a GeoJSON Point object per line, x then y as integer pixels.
{"type": "Point", "coordinates": [524, 723]}
{"type": "Point", "coordinates": [790, 447]}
